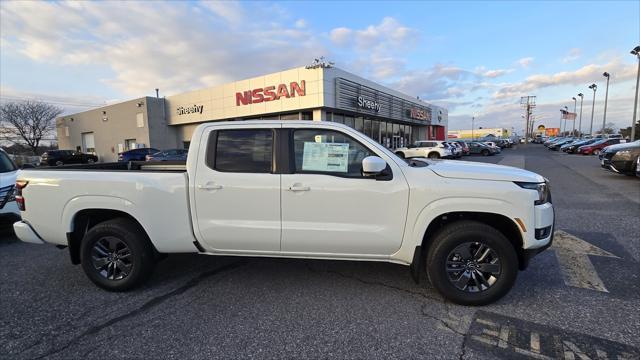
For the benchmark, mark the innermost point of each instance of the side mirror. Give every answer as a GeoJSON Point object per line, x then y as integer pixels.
{"type": "Point", "coordinates": [373, 165]}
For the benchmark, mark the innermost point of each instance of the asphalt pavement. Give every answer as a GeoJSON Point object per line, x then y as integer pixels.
{"type": "Point", "coordinates": [198, 306]}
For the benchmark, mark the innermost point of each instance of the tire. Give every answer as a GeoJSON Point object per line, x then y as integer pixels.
{"type": "Point", "coordinates": [434, 155]}
{"type": "Point", "coordinates": [596, 152]}
{"type": "Point", "coordinates": [113, 240]}
{"type": "Point", "coordinates": [484, 152]}
{"type": "Point", "coordinates": [400, 154]}
{"type": "Point", "coordinates": [90, 161]}
{"type": "Point", "coordinates": [501, 257]}
{"type": "Point", "coordinates": [59, 163]}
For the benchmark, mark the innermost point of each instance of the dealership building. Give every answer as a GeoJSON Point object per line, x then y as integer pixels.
{"type": "Point", "coordinates": [318, 93]}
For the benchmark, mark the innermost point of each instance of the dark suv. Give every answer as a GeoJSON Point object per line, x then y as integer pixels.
{"type": "Point", "coordinates": [62, 157]}
{"type": "Point", "coordinates": [621, 158]}
{"type": "Point", "coordinates": [136, 154]}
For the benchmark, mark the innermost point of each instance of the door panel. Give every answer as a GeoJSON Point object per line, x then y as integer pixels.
{"type": "Point", "coordinates": [340, 212]}
{"type": "Point", "coordinates": [237, 197]}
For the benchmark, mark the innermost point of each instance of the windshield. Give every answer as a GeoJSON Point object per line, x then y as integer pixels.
{"type": "Point", "coordinates": [6, 164]}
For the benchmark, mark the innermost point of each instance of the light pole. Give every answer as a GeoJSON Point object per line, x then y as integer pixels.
{"type": "Point", "coordinates": [575, 107]}
{"type": "Point", "coordinates": [606, 96]}
{"type": "Point", "coordinates": [636, 52]}
{"type": "Point", "coordinates": [560, 126]}
{"type": "Point", "coordinates": [564, 112]}
{"type": "Point", "coordinates": [593, 87]}
{"type": "Point", "coordinates": [580, 123]}
{"type": "Point", "coordinates": [473, 118]}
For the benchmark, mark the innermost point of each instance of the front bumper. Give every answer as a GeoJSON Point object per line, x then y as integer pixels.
{"type": "Point", "coordinates": [25, 232]}
{"type": "Point", "coordinates": [544, 219]}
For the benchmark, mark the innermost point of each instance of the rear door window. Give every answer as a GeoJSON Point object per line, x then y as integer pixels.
{"type": "Point", "coordinates": [242, 150]}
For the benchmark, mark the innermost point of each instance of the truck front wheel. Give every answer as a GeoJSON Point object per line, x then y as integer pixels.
{"type": "Point", "coordinates": [471, 263]}
{"type": "Point", "coordinates": [117, 255]}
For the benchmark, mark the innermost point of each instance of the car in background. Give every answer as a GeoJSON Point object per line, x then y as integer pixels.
{"type": "Point", "coordinates": [480, 148]}
{"type": "Point", "coordinates": [136, 154]}
{"type": "Point", "coordinates": [555, 146]}
{"type": "Point", "coordinates": [169, 155]}
{"type": "Point", "coordinates": [63, 157]}
{"type": "Point", "coordinates": [573, 147]}
{"type": "Point", "coordinates": [463, 145]}
{"type": "Point", "coordinates": [493, 145]}
{"type": "Point", "coordinates": [9, 212]}
{"type": "Point", "coordinates": [456, 149]}
{"type": "Point", "coordinates": [432, 149]}
{"type": "Point", "coordinates": [621, 158]}
{"type": "Point", "coordinates": [596, 147]}
{"type": "Point", "coordinates": [503, 143]}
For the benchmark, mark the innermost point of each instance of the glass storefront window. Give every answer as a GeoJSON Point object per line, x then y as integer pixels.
{"type": "Point", "coordinates": [359, 124]}
{"type": "Point", "coordinates": [307, 115]}
{"type": "Point", "coordinates": [294, 116]}
{"type": "Point", "coordinates": [339, 118]}
{"type": "Point", "coordinates": [348, 120]}
{"type": "Point", "coordinates": [375, 130]}
{"type": "Point", "coordinates": [367, 127]}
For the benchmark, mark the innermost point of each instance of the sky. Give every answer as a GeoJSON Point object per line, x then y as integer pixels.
{"type": "Point", "coordinates": [474, 58]}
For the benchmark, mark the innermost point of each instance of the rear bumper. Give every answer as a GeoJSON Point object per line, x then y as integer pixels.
{"type": "Point", "coordinates": [25, 232]}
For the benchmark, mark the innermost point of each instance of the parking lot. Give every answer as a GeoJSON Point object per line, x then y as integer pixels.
{"type": "Point", "coordinates": [580, 299]}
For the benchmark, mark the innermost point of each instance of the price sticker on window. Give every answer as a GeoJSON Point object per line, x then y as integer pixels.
{"type": "Point", "coordinates": [325, 157]}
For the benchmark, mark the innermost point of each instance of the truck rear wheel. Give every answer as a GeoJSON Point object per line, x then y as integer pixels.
{"type": "Point", "coordinates": [117, 255]}
{"type": "Point", "coordinates": [471, 263]}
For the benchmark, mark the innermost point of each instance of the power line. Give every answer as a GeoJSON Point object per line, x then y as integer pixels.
{"type": "Point", "coordinates": [57, 102]}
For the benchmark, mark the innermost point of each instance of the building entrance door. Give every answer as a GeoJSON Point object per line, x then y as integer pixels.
{"type": "Point", "coordinates": [395, 142]}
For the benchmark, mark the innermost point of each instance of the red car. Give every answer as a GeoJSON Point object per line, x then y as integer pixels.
{"type": "Point", "coordinates": [596, 147]}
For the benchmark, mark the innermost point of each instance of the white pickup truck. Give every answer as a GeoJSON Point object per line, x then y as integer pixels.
{"type": "Point", "coordinates": [296, 189]}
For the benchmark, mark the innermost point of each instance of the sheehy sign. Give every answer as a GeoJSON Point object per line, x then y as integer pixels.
{"type": "Point", "coordinates": [193, 109]}
{"type": "Point", "coordinates": [271, 93]}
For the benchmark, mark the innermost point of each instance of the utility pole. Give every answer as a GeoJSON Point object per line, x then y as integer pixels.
{"type": "Point", "coordinates": [593, 87]}
{"type": "Point", "coordinates": [606, 96]}
{"type": "Point", "coordinates": [575, 107]}
{"type": "Point", "coordinates": [527, 103]}
{"type": "Point", "coordinates": [636, 52]}
{"type": "Point", "coordinates": [580, 124]}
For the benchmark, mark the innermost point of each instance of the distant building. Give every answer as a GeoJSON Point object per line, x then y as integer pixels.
{"type": "Point", "coordinates": [390, 117]}
{"type": "Point", "coordinates": [500, 133]}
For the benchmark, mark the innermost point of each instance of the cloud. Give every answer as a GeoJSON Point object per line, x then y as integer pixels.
{"type": "Point", "coordinates": [379, 44]}
{"type": "Point", "coordinates": [572, 55]}
{"type": "Point", "coordinates": [525, 61]}
{"type": "Point", "coordinates": [174, 46]}
{"type": "Point", "coordinates": [492, 74]}
{"type": "Point", "coordinates": [620, 71]}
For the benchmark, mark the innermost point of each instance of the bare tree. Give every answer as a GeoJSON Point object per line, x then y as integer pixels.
{"type": "Point", "coordinates": [27, 122]}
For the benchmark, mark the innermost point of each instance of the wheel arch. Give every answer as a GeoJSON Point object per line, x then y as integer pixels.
{"type": "Point", "coordinates": [500, 222]}
{"type": "Point", "coordinates": [86, 219]}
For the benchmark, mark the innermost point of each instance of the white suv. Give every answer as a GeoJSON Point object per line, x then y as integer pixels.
{"type": "Point", "coordinates": [9, 212]}
{"type": "Point", "coordinates": [433, 149]}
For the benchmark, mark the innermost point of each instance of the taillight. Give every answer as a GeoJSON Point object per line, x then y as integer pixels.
{"type": "Point", "coordinates": [20, 184]}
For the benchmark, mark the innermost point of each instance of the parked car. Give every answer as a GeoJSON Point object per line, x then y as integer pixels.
{"type": "Point", "coordinates": [493, 145]}
{"type": "Point", "coordinates": [596, 147]}
{"type": "Point", "coordinates": [433, 149]}
{"type": "Point", "coordinates": [9, 212]}
{"type": "Point", "coordinates": [621, 158]}
{"type": "Point", "coordinates": [62, 157]}
{"type": "Point", "coordinates": [555, 146]}
{"type": "Point", "coordinates": [136, 154]}
{"type": "Point", "coordinates": [463, 145]}
{"type": "Point", "coordinates": [456, 149]}
{"type": "Point", "coordinates": [480, 148]}
{"type": "Point", "coordinates": [334, 194]}
{"type": "Point", "coordinates": [168, 155]}
{"type": "Point", "coordinates": [573, 147]}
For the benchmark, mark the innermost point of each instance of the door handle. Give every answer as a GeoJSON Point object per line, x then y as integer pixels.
{"type": "Point", "coordinates": [209, 186]}
{"type": "Point", "coordinates": [298, 187]}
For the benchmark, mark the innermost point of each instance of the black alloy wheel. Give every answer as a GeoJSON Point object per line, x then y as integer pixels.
{"type": "Point", "coordinates": [111, 258]}
{"type": "Point", "coordinates": [485, 152]}
{"type": "Point", "coordinates": [473, 267]}
{"type": "Point", "coordinates": [434, 155]}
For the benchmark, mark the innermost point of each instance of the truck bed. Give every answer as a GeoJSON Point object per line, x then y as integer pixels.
{"type": "Point", "coordinates": [172, 166]}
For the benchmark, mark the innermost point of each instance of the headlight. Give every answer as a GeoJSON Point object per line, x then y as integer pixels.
{"type": "Point", "coordinates": [544, 193]}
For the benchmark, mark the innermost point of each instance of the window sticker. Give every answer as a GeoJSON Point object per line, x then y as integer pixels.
{"type": "Point", "coordinates": [325, 157]}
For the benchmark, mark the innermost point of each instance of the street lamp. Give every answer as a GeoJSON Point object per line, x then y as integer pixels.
{"type": "Point", "coordinates": [593, 87]}
{"type": "Point", "coordinates": [473, 118]}
{"type": "Point", "coordinates": [580, 123]}
{"type": "Point", "coordinates": [636, 52]}
{"type": "Point", "coordinates": [575, 107]}
{"type": "Point", "coordinates": [560, 126]}
{"type": "Point", "coordinates": [606, 96]}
